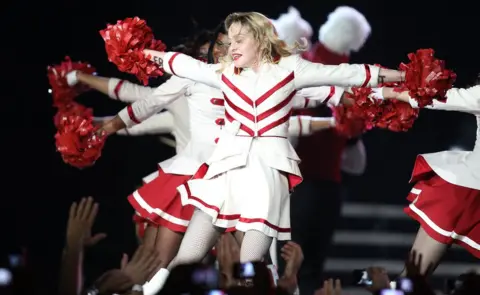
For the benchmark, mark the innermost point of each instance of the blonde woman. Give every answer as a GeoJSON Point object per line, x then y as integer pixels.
{"type": "Point", "coordinates": [247, 181]}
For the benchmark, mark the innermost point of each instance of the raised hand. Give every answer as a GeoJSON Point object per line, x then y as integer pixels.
{"type": "Point", "coordinates": [330, 288]}
{"type": "Point", "coordinates": [293, 255]}
{"type": "Point", "coordinates": [414, 271]}
{"type": "Point", "coordinates": [80, 222]}
{"type": "Point", "coordinates": [228, 253]}
{"type": "Point", "coordinates": [143, 265]}
{"type": "Point", "coordinates": [379, 277]}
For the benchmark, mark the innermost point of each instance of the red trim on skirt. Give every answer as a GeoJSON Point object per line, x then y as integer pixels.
{"type": "Point", "coordinates": [161, 198]}
{"type": "Point", "coordinates": [294, 180]}
{"type": "Point", "coordinates": [447, 212]}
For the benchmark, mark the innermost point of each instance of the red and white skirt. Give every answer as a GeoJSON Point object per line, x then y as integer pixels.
{"type": "Point", "coordinates": [251, 197]}
{"type": "Point", "coordinates": [158, 203]}
{"type": "Point", "coordinates": [447, 212]}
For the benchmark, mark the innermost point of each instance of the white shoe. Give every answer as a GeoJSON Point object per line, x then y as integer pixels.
{"type": "Point", "coordinates": [153, 286]}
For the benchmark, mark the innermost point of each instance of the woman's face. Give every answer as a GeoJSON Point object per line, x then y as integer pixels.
{"type": "Point", "coordinates": [243, 49]}
{"type": "Point", "coordinates": [220, 48]}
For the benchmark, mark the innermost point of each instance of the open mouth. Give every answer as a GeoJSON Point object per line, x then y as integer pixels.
{"type": "Point", "coordinates": [236, 56]}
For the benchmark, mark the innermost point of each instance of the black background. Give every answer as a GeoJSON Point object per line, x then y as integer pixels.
{"type": "Point", "coordinates": [38, 187]}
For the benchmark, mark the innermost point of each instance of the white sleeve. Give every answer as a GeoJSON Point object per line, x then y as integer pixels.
{"type": "Point", "coordinates": [161, 123]}
{"type": "Point", "coordinates": [309, 74]}
{"type": "Point", "coordinates": [354, 159]}
{"type": "Point", "coordinates": [299, 126]}
{"type": "Point", "coordinates": [184, 66]}
{"type": "Point", "coordinates": [166, 93]}
{"type": "Point", "coordinates": [458, 99]}
{"type": "Point", "coordinates": [330, 95]}
{"type": "Point", "coordinates": [126, 91]}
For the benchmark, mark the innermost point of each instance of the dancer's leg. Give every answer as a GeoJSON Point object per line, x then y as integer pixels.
{"type": "Point", "coordinates": [200, 238]}
{"type": "Point", "coordinates": [167, 243]}
{"type": "Point", "coordinates": [254, 246]}
{"type": "Point", "coordinates": [430, 250]}
{"type": "Point", "coordinates": [149, 236]}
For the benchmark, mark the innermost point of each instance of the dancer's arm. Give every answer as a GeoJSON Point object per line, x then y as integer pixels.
{"type": "Point", "coordinates": [458, 99]}
{"type": "Point", "coordinates": [314, 96]}
{"type": "Point", "coordinates": [311, 97]}
{"type": "Point", "coordinates": [115, 88]}
{"type": "Point", "coordinates": [184, 66]}
{"type": "Point", "coordinates": [141, 110]}
{"type": "Point", "coordinates": [308, 74]}
{"type": "Point", "coordinates": [307, 125]}
{"type": "Point", "coordinates": [161, 123]}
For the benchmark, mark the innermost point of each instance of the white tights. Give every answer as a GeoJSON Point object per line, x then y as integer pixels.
{"type": "Point", "coordinates": [201, 236]}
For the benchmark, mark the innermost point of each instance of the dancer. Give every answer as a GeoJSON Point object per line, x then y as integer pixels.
{"type": "Point", "coordinates": [206, 119]}
{"type": "Point", "coordinates": [198, 45]}
{"type": "Point", "coordinates": [248, 179]}
{"type": "Point", "coordinates": [445, 199]}
{"type": "Point", "coordinates": [316, 202]}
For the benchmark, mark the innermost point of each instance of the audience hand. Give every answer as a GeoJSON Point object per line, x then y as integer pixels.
{"type": "Point", "coordinates": [143, 265]}
{"type": "Point", "coordinates": [292, 253]}
{"type": "Point", "coordinates": [228, 253]}
{"type": "Point", "coordinates": [329, 288]}
{"type": "Point", "coordinates": [114, 281]}
{"type": "Point", "coordinates": [380, 279]}
{"type": "Point", "coordinates": [413, 268]}
{"type": "Point", "coordinates": [80, 222]}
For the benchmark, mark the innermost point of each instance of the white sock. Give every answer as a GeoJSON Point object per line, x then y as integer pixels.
{"type": "Point", "coordinates": [153, 286]}
{"type": "Point", "coordinates": [273, 252]}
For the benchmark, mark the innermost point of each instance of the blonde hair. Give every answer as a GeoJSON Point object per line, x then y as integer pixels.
{"type": "Point", "coordinates": [264, 33]}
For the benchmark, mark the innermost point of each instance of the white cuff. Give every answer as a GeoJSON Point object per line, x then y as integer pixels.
{"type": "Point", "coordinates": [336, 97]}
{"type": "Point", "coordinates": [125, 116]}
{"type": "Point", "coordinates": [168, 61]}
{"type": "Point", "coordinates": [72, 78]}
{"type": "Point", "coordinates": [377, 93]}
{"type": "Point", "coordinates": [112, 85]}
{"type": "Point", "coordinates": [137, 288]}
{"type": "Point", "coordinates": [413, 103]}
{"type": "Point", "coordinates": [300, 126]}
{"type": "Point", "coordinates": [374, 72]}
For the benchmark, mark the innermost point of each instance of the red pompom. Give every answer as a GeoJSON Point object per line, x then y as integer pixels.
{"type": "Point", "coordinates": [77, 142]}
{"type": "Point", "coordinates": [397, 116]}
{"type": "Point", "coordinates": [348, 122]}
{"type": "Point", "coordinates": [364, 106]}
{"type": "Point", "coordinates": [125, 42]}
{"type": "Point", "coordinates": [426, 77]}
{"type": "Point", "coordinates": [63, 93]}
{"type": "Point", "coordinates": [71, 109]}
{"type": "Point", "coordinates": [387, 114]}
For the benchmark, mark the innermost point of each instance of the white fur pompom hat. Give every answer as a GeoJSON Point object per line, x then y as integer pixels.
{"type": "Point", "coordinates": [346, 30]}
{"type": "Point", "coordinates": [291, 27]}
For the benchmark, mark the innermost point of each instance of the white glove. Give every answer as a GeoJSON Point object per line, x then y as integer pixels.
{"type": "Point", "coordinates": [72, 79]}
{"type": "Point", "coordinates": [377, 93]}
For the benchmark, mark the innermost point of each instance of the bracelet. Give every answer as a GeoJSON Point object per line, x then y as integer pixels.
{"type": "Point", "coordinates": [137, 288]}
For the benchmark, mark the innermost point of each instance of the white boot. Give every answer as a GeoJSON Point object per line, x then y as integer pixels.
{"type": "Point", "coordinates": [153, 286]}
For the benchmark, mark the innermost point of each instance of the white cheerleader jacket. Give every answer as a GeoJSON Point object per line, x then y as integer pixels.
{"type": "Point", "coordinates": [458, 167]}
{"type": "Point", "coordinates": [204, 117]}
{"type": "Point", "coordinates": [261, 111]}
{"type": "Point", "coordinates": [174, 120]}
